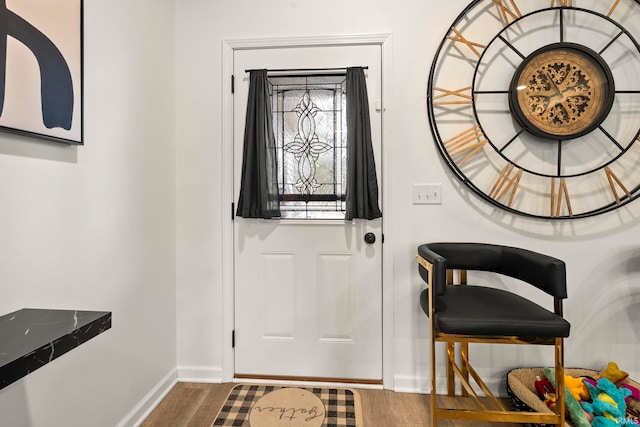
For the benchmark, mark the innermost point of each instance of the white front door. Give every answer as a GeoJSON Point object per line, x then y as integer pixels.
{"type": "Point", "coordinates": [308, 293]}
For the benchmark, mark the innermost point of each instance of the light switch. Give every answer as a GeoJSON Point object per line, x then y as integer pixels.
{"type": "Point", "coordinates": [427, 194]}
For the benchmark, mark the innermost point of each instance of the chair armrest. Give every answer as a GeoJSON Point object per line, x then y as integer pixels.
{"type": "Point", "coordinates": [438, 265]}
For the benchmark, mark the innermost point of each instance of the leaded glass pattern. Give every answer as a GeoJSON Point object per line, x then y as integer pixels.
{"type": "Point", "coordinates": [309, 120]}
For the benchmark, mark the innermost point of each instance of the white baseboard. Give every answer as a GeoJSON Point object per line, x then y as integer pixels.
{"type": "Point", "coordinates": [411, 384]}
{"type": "Point", "coordinates": [142, 410]}
{"type": "Point", "coordinates": [422, 384]}
{"type": "Point", "coordinates": [199, 374]}
{"type": "Point", "coordinates": [180, 374]}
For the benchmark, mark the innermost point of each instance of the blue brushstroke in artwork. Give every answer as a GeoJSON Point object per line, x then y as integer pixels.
{"type": "Point", "coordinates": [56, 85]}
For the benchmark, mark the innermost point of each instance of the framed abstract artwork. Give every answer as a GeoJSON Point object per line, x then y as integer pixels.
{"type": "Point", "coordinates": [41, 69]}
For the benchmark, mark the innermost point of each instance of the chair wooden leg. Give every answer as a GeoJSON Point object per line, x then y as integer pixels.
{"type": "Point", "coordinates": [464, 346]}
{"type": "Point", "coordinates": [560, 390]}
{"type": "Point", "coordinates": [464, 355]}
{"type": "Point", "coordinates": [432, 348]}
{"type": "Point", "coordinates": [451, 384]}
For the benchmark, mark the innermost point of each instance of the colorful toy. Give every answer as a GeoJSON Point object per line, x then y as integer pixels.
{"type": "Point", "coordinates": [577, 387]}
{"type": "Point", "coordinates": [635, 392]}
{"type": "Point", "coordinates": [613, 373]}
{"type": "Point", "coordinates": [607, 406]}
{"type": "Point", "coordinates": [579, 417]}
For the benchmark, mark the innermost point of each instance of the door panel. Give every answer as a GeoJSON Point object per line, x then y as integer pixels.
{"type": "Point", "coordinates": [308, 293]}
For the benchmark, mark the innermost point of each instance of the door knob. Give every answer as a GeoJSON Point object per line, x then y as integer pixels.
{"type": "Point", "coordinates": [370, 238]}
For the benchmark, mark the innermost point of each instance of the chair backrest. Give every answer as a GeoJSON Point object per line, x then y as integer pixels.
{"type": "Point", "coordinates": [542, 271]}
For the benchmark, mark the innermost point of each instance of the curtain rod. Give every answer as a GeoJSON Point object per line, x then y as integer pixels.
{"type": "Point", "coordinates": [302, 70]}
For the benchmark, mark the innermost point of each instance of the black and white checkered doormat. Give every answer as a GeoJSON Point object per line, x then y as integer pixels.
{"type": "Point", "coordinates": [266, 405]}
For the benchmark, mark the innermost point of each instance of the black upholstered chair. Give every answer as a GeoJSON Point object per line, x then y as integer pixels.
{"type": "Point", "coordinates": [464, 313]}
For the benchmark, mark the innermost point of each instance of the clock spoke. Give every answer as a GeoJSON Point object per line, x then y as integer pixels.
{"type": "Point", "coordinates": [511, 46]}
{"type": "Point", "coordinates": [559, 158]}
{"type": "Point", "coordinates": [489, 92]}
{"type": "Point", "coordinates": [611, 138]}
{"type": "Point", "coordinates": [561, 26]}
{"type": "Point", "coordinates": [608, 45]}
{"type": "Point", "coordinates": [510, 141]}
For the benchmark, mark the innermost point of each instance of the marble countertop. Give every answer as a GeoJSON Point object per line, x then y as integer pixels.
{"type": "Point", "coordinates": [31, 338]}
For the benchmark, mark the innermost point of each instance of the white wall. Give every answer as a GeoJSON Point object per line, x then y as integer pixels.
{"type": "Point", "coordinates": [93, 227]}
{"type": "Point", "coordinates": [602, 253]}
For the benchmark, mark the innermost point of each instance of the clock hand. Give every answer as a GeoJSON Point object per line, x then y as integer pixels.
{"type": "Point", "coordinates": [578, 89]}
{"type": "Point", "coordinates": [555, 87]}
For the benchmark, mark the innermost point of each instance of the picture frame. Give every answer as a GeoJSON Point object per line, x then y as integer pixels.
{"type": "Point", "coordinates": [41, 69]}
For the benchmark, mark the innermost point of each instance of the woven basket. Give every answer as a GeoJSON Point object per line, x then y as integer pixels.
{"type": "Point", "coordinates": [522, 391]}
{"type": "Point", "coordinates": [523, 396]}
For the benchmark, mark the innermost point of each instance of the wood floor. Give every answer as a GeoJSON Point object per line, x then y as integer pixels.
{"type": "Point", "coordinates": [196, 405]}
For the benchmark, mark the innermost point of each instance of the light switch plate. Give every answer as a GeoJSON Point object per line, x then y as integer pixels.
{"type": "Point", "coordinates": [427, 194]}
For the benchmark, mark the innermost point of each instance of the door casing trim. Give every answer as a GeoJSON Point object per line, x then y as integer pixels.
{"type": "Point", "coordinates": [384, 40]}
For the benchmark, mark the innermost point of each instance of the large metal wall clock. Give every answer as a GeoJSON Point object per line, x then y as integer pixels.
{"type": "Point", "coordinates": [535, 104]}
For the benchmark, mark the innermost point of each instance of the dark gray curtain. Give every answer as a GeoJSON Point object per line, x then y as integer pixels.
{"type": "Point", "coordinates": [259, 196]}
{"type": "Point", "coordinates": [362, 183]}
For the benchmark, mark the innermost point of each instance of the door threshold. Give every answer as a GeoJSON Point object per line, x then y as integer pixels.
{"type": "Point", "coordinates": [309, 381]}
